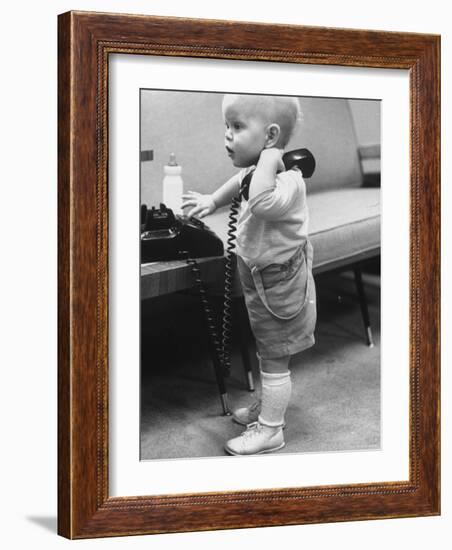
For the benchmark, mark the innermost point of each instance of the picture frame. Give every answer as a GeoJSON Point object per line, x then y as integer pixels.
{"type": "Point", "coordinates": [85, 508]}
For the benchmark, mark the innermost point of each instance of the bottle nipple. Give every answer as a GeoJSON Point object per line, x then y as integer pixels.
{"type": "Point", "coordinates": [172, 160]}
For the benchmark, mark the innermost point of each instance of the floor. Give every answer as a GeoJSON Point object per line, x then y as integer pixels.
{"type": "Point", "coordinates": [335, 404]}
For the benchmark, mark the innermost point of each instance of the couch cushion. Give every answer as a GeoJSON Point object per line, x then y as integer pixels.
{"type": "Point", "coordinates": [344, 224]}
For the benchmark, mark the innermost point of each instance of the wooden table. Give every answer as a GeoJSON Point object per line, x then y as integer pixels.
{"type": "Point", "coordinates": [161, 278]}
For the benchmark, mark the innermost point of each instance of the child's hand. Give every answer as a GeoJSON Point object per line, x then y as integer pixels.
{"type": "Point", "coordinates": [203, 205]}
{"type": "Point", "coordinates": [273, 157]}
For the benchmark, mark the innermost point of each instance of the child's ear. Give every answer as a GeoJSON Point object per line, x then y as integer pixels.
{"type": "Point", "coordinates": [273, 133]}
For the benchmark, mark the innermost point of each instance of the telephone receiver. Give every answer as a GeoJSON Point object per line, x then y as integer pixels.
{"type": "Point", "coordinates": [302, 159]}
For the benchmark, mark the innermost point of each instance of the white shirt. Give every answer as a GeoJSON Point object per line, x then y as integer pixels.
{"type": "Point", "coordinates": [273, 224]}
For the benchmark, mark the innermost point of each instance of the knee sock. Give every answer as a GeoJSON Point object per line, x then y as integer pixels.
{"type": "Point", "coordinates": [276, 390]}
{"type": "Point", "coordinates": [258, 392]}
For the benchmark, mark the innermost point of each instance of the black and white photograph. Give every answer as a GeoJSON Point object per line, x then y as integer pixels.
{"type": "Point", "coordinates": [260, 240]}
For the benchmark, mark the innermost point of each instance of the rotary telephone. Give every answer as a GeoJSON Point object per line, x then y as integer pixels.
{"type": "Point", "coordinates": [166, 236]}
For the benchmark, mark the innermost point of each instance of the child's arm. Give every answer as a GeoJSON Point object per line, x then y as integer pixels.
{"type": "Point", "coordinates": [269, 164]}
{"type": "Point", "coordinates": [267, 200]}
{"type": "Point", "coordinates": [203, 205]}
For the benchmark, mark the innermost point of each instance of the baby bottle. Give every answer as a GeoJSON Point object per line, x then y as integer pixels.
{"type": "Point", "coordinates": [173, 185]}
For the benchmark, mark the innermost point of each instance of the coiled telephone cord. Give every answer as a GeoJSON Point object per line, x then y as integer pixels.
{"type": "Point", "coordinates": [222, 346]}
{"type": "Point", "coordinates": [229, 272]}
{"type": "Point", "coordinates": [208, 312]}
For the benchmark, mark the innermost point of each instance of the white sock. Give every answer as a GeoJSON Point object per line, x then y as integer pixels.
{"type": "Point", "coordinates": [276, 390]}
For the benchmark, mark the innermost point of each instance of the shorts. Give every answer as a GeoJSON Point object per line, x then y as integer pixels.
{"type": "Point", "coordinates": [281, 303]}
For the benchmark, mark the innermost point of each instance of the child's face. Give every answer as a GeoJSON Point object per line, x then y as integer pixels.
{"type": "Point", "coordinates": [245, 135]}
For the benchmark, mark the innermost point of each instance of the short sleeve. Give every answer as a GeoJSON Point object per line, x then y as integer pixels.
{"type": "Point", "coordinates": [274, 203]}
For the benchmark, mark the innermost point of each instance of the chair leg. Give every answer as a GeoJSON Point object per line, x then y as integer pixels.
{"type": "Point", "coordinates": [242, 324]}
{"type": "Point", "coordinates": [363, 305]}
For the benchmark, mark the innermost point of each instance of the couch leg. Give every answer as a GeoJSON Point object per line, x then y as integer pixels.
{"type": "Point", "coordinates": [242, 325]}
{"type": "Point", "coordinates": [363, 305]}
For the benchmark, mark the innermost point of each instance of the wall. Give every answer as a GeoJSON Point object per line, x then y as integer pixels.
{"type": "Point", "coordinates": [366, 117]}
{"type": "Point", "coordinates": [190, 124]}
{"type": "Point", "coordinates": [28, 229]}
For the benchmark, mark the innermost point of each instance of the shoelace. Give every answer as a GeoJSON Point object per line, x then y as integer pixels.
{"type": "Point", "coordinates": [251, 429]}
{"type": "Point", "coordinates": [254, 406]}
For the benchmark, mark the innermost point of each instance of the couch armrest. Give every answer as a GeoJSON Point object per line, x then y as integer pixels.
{"type": "Point", "coordinates": [370, 158]}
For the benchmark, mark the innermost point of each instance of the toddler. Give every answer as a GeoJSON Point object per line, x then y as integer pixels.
{"type": "Point", "coordinates": [274, 255]}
